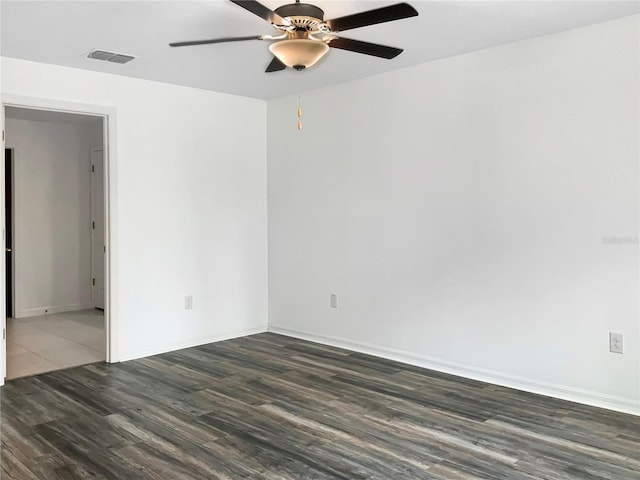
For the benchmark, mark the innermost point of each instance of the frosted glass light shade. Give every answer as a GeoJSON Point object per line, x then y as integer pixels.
{"type": "Point", "coordinates": [299, 52]}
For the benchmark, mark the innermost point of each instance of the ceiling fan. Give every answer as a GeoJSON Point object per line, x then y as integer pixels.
{"type": "Point", "coordinates": [305, 37]}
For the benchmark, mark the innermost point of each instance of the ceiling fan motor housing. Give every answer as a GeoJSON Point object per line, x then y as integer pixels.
{"type": "Point", "coordinates": [300, 10]}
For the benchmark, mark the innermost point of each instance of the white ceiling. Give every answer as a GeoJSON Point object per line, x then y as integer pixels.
{"type": "Point", "coordinates": [63, 32]}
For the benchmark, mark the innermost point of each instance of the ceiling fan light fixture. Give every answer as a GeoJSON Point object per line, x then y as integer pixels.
{"type": "Point", "coordinates": [299, 53]}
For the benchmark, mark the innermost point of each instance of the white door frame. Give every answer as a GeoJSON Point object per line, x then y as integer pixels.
{"type": "Point", "coordinates": [110, 189]}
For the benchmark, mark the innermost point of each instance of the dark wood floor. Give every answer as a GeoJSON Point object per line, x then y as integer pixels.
{"type": "Point", "coordinates": [269, 406]}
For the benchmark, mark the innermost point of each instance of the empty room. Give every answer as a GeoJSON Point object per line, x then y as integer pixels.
{"type": "Point", "coordinates": [347, 240]}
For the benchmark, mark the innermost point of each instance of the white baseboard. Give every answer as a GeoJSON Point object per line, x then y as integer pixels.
{"type": "Point", "coordinates": [572, 394]}
{"type": "Point", "coordinates": [50, 310]}
{"type": "Point", "coordinates": [194, 343]}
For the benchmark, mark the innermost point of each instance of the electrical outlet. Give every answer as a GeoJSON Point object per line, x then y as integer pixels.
{"type": "Point", "coordinates": [333, 301]}
{"type": "Point", "coordinates": [616, 342]}
{"type": "Point", "coordinates": [188, 302]}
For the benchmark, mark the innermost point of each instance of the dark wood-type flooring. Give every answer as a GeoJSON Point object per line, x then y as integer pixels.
{"type": "Point", "coordinates": [269, 406]}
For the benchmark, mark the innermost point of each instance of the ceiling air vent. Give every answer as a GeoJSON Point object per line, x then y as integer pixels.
{"type": "Point", "coordinates": [110, 56]}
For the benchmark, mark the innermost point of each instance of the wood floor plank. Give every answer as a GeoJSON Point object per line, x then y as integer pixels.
{"type": "Point", "coordinates": [270, 407]}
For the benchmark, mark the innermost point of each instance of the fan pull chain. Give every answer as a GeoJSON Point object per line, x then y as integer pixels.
{"type": "Point", "coordinates": [299, 114]}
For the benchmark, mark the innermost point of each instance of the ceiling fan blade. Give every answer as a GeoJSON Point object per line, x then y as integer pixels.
{"type": "Point", "coordinates": [275, 65]}
{"type": "Point", "coordinates": [260, 10]}
{"type": "Point", "coordinates": [366, 48]}
{"type": "Point", "coordinates": [371, 17]}
{"type": "Point", "coordinates": [215, 40]}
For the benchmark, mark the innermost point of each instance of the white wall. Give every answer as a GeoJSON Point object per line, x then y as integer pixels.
{"type": "Point", "coordinates": [458, 210]}
{"type": "Point", "coordinates": [52, 214]}
{"type": "Point", "coordinates": [191, 203]}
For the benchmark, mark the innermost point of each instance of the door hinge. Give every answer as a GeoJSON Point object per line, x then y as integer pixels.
{"type": "Point", "coordinates": [93, 225]}
{"type": "Point", "coordinates": [93, 282]}
{"type": "Point", "coordinates": [93, 168]}
{"type": "Point", "coordinates": [4, 333]}
{"type": "Point", "coordinates": [3, 135]}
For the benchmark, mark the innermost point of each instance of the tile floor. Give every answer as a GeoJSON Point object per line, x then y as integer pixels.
{"type": "Point", "coordinates": [51, 342]}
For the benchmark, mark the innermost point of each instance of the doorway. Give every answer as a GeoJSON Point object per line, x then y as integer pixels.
{"type": "Point", "coordinates": [8, 229]}
{"type": "Point", "coordinates": [51, 249]}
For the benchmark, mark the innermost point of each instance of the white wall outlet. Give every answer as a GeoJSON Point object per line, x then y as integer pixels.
{"type": "Point", "coordinates": [333, 301]}
{"type": "Point", "coordinates": [188, 302]}
{"type": "Point", "coordinates": [616, 342]}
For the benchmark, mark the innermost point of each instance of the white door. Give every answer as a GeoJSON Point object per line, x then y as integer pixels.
{"type": "Point", "coordinates": [97, 228]}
